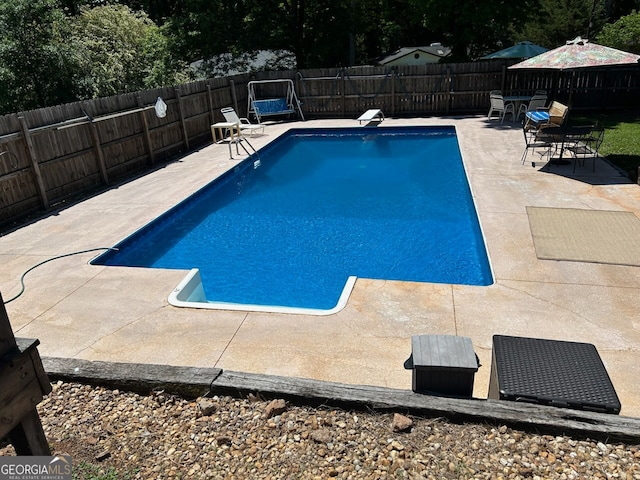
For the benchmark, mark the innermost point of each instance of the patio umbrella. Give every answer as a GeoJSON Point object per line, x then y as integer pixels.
{"type": "Point", "coordinates": [578, 53]}
{"type": "Point", "coordinates": [519, 50]}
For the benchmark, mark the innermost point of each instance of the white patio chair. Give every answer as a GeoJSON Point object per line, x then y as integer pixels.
{"type": "Point", "coordinates": [537, 102]}
{"type": "Point", "coordinates": [230, 115]}
{"type": "Point", "coordinates": [499, 106]}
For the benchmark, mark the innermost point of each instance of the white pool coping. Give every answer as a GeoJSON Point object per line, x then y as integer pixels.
{"type": "Point", "coordinates": [190, 294]}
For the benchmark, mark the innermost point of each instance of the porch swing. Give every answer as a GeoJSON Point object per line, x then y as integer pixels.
{"type": "Point", "coordinates": [263, 107]}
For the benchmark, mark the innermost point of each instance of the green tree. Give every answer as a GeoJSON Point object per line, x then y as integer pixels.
{"type": "Point", "coordinates": [36, 60]}
{"type": "Point", "coordinates": [118, 51]}
{"type": "Point", "coordinates": [321, 32]}
{"type": "Point", "coordinates": [158, 10]}
{"type": "Point", "coordinates": [162, 67]}
{"type": "Point", "coordinates": [623, 34]}
{"type": "Point", "coordinates": [560, 20]}
{"type": "Point", "coordinates": [73, 7]}
{"type": "Point", "coordinates": [200, 29]}
{"type": "Point", "coordinates": [328, 33]}
{"type": "Point", "coordinates": [382, 26]}
{"type": "Point", "coordinates": [472, 28]}
{"type": "Point", "coordinates": [619, 8]}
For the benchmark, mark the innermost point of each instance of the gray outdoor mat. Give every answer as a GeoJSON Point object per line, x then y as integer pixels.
{"type": "Point", "coordinates": [597, 236]}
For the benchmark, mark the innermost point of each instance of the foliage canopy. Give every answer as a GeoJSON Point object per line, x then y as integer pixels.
{"type": "Point", "coordinates": [117, 50]}
{"type": "Point", "coordinates": [36, 59]}
{"type": "Point", "coordinates": [623, 34]}
{"type": "Point", "coordinates": [56, 51]}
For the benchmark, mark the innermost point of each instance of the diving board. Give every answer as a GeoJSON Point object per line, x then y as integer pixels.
{"type": "Point", "coordinates": [373, 114]}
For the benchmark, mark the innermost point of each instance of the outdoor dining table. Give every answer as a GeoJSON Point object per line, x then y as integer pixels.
{"type": "Point", "coordinates": [564, 137]}
{"type": "Point", "coordinates": [517, 101]}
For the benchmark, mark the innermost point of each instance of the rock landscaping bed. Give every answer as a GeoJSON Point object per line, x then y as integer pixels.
{"type": "Point", "coordinates": [115, 434]}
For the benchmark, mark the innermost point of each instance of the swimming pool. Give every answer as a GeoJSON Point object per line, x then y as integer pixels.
{"type": "Point", "coordinates": [291, 231]}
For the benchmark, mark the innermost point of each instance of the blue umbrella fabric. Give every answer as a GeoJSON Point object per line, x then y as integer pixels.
{"type": "Point", "coordinates": [519, 50]}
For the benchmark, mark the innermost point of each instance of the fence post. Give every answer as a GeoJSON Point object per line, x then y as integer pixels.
{"type": "Point", "coordinates": [296, 88]}
{"type": "Point", "coordinates": [450, 89]}
{"type": "Point", "coordinates": [343, 94]}
{"type": "Point", "coordinates": [182, 122]}
{"type": "Point", "coordinates": [234, 98]}
{"type": "Point", "coordinates": [147, 136]}
{"type": "Point", "coordinates": [393, 91]}
{"type": "Point", "coordinates": [99, 155]}
{"type": "Point", "coordinates": [210, 101]}
{"type": "Point", "coordinates": [34, 162]}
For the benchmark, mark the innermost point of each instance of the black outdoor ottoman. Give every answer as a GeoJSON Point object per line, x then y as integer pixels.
{"type": "Point", "coordinates": [551, 372]}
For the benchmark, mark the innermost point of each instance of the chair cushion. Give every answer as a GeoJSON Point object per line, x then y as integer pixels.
{"type": "Point", "coordinates": [538, 116]}
{"type": "Point", "coordinates": [271, 106]}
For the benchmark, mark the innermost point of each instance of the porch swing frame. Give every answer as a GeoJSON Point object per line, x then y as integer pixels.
{"type": "Point", "coordinates": [263, 107]}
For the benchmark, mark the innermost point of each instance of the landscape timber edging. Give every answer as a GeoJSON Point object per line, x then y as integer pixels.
{"type": "Point", "coordinates": [192, 382]}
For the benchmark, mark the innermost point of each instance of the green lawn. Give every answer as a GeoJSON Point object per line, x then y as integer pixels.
{"type": "Point", "coordinates": [621, 144]}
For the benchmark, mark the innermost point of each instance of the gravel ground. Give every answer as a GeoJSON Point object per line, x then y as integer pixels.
{"type": "Point", "coordinates": [119, 435]}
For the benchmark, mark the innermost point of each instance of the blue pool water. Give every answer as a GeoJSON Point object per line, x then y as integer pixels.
{"type": "Point", "coordinates": [323, 205]}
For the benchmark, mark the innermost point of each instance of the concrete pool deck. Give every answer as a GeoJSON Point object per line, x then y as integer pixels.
{"type": "Point", "coordinates": [121, 314]}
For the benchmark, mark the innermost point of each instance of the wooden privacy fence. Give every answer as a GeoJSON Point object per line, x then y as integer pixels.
{"type": "Point", "coordinates": [451, 89]}
{"type": "Point", "coordinates": [55, 154]}
{"type": "Point", "coordinates": [58, 153]}
{"type": "Point", "coordinates": [402, 91]}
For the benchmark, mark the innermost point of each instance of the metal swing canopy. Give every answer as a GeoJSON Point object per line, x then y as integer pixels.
{"type": "Point", "coordinates": [262, 107]}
